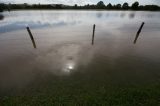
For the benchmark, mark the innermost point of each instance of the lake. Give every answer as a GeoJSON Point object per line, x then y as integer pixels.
{"type": "Point", "coordinates": [64, 59]}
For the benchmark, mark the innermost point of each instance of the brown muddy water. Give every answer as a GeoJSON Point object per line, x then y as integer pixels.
{"type": "Point", "coordinates": [64, 53]}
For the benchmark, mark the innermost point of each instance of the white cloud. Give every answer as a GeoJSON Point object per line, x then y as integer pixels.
{"type": "Point", "coordinates": [81, 2]}
{"type": "Point", "coordinates": [69, 2]}
{"type": "Point", "coordinates": [142, 1]}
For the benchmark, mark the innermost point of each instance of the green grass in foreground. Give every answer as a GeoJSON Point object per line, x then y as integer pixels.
{"type": "Point", "coordinates": [71, 95]}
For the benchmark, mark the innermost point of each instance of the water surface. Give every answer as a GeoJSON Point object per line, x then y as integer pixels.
{"type": "Point", "coordinates": [64, 49]}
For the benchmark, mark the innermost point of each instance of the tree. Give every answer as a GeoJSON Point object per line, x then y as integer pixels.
{"type": "Point", "coordinates": [2, 6]}
{"type": "Point", "coordinates": [118, 6]}
{"type": "Point", "coordinates": [125, 6]}
{"type": "Point", "coordinates": [75, 6]}
{"type": "Point", "coordinates": [135, 5]}
{"type": "Point", "coordinates": [58, 6]}
{"type": "Point", "coordinates": [100, 4]}
{"type": "Point", "coordinates": [109, 6]}
{"type": "Point", "coordinates": [151, 7]}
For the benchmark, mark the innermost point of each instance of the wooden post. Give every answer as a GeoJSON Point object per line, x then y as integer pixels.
{"type": "Point", "coordinates": [93, 34]}
{"type": "Point", "coordinates": [31, 36]}
{"type": "Point", "coordinates": [139, 31]}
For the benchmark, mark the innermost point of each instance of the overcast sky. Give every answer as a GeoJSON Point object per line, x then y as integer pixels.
{"type": "Point", "coordinates": [81, 2]}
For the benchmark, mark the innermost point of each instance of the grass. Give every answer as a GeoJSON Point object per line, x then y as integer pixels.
{"type": "Point", "coordinates": [66, 92]}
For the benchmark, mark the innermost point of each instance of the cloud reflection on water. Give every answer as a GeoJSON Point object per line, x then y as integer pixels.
{"type": "Point", "coordinates": [44, 19]}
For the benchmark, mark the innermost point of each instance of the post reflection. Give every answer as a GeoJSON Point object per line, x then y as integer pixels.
{"type": "Point", "coordinates": [1, 17]}
{"type": "Point", "coordinates": [132, 15]}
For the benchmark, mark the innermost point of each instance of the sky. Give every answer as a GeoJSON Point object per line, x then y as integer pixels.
{"type": "Point", "coordinates": [81, 2]}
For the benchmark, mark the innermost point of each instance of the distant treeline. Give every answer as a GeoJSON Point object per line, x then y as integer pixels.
{"type": "Point", "coordinates": [99, 5]}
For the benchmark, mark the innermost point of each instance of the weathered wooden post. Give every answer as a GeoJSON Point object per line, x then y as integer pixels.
{"type": "Point", "coordinates": [31, 36]}
{"type": "Point", "coordinates": [139, 31]}
{"type": "Point", "coordinates": [94, 26]}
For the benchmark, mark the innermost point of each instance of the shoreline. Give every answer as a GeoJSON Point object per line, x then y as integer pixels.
{"type": "Point", "coordinates": [78, 10]}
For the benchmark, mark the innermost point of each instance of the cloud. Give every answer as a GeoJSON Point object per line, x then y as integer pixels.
{"type": "Point", "coordinates": [143, 2]}
{"type": "Point", "coordinates": [81, 2]}
{"type": "Point", "coordinates": [68, 2]}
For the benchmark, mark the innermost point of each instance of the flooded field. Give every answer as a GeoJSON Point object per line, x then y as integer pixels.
{"type": "Point", "coordinates": [67, 67]}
